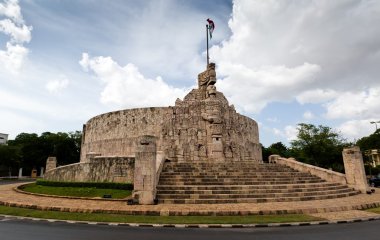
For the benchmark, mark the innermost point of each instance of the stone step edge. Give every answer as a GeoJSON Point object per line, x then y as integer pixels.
{"type": "Point", "coordinates": [270, 196]}
{"type": "Point", "coordinates": [267, 200]}
{"type": "Point", "coordinates": [248, 185]}
{"type": "Point", "coordinates": [264, 195]}
{"type": "Point", "coordinates": [201, 212]}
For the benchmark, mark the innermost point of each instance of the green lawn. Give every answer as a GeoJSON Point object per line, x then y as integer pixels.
{"type": "Point", "coordinates": [99, 217]}
{"type": "Point", "coordinates": [76, 191]}
{"type": "Point", "coordinates": [374, 210]}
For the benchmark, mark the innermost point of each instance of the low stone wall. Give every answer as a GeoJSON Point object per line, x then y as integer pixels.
{"type": "Point", "coordinates": [99, 169]}
{"type": "Point", "coordinates": [325, 174]}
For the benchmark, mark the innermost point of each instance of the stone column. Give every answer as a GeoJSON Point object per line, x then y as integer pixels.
{"type": "Point", "coordinates": [20, 173]}
{"type": "Point", "coordinates": [51, 163]}
{"type": "Point", "coordinates": [273, 158]}
{"type": "Point", "coordinates": [354, 168]}
{"type": "Point", "coordinates": [145, 170]}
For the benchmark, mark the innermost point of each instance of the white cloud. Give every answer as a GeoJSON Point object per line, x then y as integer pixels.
{"type": "Point", "coordinates": [359, 105]}
{"type": "Point", "coordinates": [127, 87]}
{"type": "Point", "coordinates": [57, 85]}
{"type": "Point", "coordinates": [294, 38]}
{"type": "Point", "coordinates": [316, 96]}
{"type": "Point", "coordinates": [291, 132]}
{"type": "Point", "coordinates": [17, 123]}
{"type": "Point", "coordinates": [85, 61]}
{"type": "Point", "coordinates": [18, 34]}
{"type": "Point", "coordinates": [251, 89]}
{"type": "Point", "coordinates": [277, 132]}
{"type": "Point", "coordinates": [308, 115]}
{"type": "Point", "coordinates": [11, 9]}
{"type": "Point", "coordinates": [355, 129]}
{"type": "Point", "coordinates": [13, 57]}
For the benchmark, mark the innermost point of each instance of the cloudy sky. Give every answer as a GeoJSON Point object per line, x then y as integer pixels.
{"type": "Point", "coordinates": [279, 62]}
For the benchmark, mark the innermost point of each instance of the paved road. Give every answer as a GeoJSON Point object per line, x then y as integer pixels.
{"type": "Point", "coordinates": [4, 182]}
{"type": "Point", "coordinates": [31, 230]}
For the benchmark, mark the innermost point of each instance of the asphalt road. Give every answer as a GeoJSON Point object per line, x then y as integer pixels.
{"type": "Point", "coordinates": [4, 182]}
{"type": "Point", "coordinates": [24, 229]}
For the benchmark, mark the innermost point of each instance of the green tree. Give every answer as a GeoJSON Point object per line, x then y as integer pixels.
{"type": "Point", "coordinates": [9, 160]}
{"type": "Point", "coordinates": [277, 148]}
{"type": "Point", "coordinates": [34, 149]}
{"type": "Point", "coordinates": [319, 146]}
{"type": "Point", "coordinates": [367, 143]}
{"type": "Point", "coordinates": [370, 142]}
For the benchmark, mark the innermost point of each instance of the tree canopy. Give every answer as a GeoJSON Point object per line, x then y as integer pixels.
{"type": "Point", "coordinates": [315, 145]}
{"type": "Point", "coordinates": [28, 150]}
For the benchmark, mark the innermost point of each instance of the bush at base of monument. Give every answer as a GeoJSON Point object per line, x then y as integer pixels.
{"type": "Point", "coordinates": [104, 185]}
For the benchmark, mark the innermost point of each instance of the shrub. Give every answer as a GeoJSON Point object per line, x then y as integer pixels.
{"type": "Point", "coordinates": [104, 185]}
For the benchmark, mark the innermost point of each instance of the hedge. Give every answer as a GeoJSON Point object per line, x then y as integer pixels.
{"type": "Point", "coordinates": [104, 185]}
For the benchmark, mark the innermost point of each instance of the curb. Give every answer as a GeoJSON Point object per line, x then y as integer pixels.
{"type": "Point", "coordinates": [195, 213]}
{"type": "Point", "coordinates": [4, 218]}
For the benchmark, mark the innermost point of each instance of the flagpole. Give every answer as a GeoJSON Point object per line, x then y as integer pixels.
{"type": "Point", "coordinates": [207, 29]}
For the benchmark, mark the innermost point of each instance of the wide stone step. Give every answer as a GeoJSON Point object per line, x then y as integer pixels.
{"type": "Point", "coordinates": [253, 168]}
{"type": "Point", "coordinates": [238, 178]}
{"type": "Point", "coordinates": [242, 182]}
{"type": "Point", "coordinates": [251, 195]}
{"type": "Point", "coordinates": [248, 187]}
{"type": "Point", "coordinates": [232, 173]}
{"type": "Point", "coordinates": [247, 191]}
{"type": "Point", "coordinates": [255, 200]}
{"type": "Point", "coordinates": [193, 182]}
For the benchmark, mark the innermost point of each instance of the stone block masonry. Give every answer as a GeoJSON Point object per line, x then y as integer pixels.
{"type": "Point", "coordinates": [145, 170]}
{"type": "Point", "coordinates": [354, 168]}
{"type": "Point", "coordinates": [98, 169]}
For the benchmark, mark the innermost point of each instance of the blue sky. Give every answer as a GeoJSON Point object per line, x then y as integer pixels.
{"type": "Point", "coordinates": [278, 62]}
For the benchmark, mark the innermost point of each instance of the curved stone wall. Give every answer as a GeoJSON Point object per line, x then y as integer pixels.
{"type": "Point", "coordinates": [99, 169]}
{"type": "Point", "coordinates": [115, 133]}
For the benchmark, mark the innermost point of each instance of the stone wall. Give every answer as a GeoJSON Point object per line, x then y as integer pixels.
{"type": "Point", "coordinates": [354, 168]}
{"type": "Point", "coordinates": [116, 133]}
{"type": "Point", "coordinates": [207, 128]}
{"type": "Point", "coordinates": [328, 175]}
{"type": "Point", "coordinates": [98, 169]}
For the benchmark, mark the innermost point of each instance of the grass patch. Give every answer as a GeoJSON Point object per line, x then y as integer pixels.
{"type": "Point", "coordinates": [104, 185]}
{"type": "Point", "coordinates": [99, 217]}
{"type": "Point", "coordinates": [76, 191]}
{"type": "Point", "coordinates": [374, 210]}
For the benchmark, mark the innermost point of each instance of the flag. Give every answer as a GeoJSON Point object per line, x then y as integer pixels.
{"type": "Point", "coordinates": [211, 26]}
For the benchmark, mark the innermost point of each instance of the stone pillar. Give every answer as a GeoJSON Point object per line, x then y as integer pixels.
{"type": "Point", "coordinates": [42, 172]}
{"type": "Point", "coordinates": [145, 170]}
{"type": "Point", "coordinates": [354, 168]}
{"type": "Point", "coordinates": [51, 163]}
{"type": "Point", "coordinates": [20, 173]}
{"type": "Point", "coordinates": [273, 158]}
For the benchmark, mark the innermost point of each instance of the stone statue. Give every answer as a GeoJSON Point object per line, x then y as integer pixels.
{"type": "Point", "coordinates": [208, 77]}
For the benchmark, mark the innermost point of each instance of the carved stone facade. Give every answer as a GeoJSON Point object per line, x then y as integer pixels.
{"type": "Point", "coordinates": [201, 127]}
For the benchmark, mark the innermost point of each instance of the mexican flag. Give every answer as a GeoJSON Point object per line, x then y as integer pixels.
{"type": "Point", "coordinates": [211, 26]}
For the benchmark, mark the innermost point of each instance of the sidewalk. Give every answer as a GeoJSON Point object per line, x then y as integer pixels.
{"type": "Point", "coordinates": [342, 207]}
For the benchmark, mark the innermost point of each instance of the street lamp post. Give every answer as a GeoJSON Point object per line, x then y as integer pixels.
{"type": "Point", "coordinates": [375, 122]}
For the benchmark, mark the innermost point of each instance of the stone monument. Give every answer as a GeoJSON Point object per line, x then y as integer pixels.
{"type": "Point", "coordinates": [203, 127]}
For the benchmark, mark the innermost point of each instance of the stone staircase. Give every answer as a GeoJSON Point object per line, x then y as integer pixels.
{"type": "Point", "coordinates": [242, 182]}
